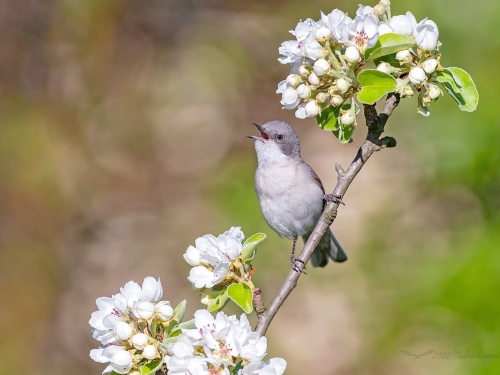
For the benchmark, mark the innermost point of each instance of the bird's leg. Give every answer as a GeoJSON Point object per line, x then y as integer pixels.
{"type": "Point", "coordinates": [295, 261]}
{"type": "Point", "coordinates": [334, 198]}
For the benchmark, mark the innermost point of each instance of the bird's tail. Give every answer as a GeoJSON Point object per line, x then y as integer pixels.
{"type": "Point", "coordinates": [327, 247]}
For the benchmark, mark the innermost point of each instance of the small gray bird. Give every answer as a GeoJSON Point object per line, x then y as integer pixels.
{"type": "Point", "coordinates": [290, 193]}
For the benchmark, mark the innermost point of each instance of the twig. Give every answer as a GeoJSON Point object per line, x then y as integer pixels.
{"type": "Point", "coordinates": [376, 123]}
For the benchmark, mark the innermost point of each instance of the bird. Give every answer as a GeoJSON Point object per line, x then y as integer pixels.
{"type": "Point", "coordinates": [290, 193]}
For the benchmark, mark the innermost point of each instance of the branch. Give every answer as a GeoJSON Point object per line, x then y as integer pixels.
{"type": "Point", "coordinates": [376, 123]}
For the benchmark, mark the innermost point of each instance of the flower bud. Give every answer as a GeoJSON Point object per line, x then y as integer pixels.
{"type": "Point", "coordinates": [322, 97]}
{"type": "Point", "coordinates": [404, 56]}
{"type": "Point", "coordinates": [348, 118]}
{"type": "Point", "coordinates": [121, 361]}
{"type": "Point", "coordinates": [165, 312]}
{"type": "Point", "coordinates": [149, 352]}
{"type": "Point", "coordinates": [417, 75]}
{"type": "Point", "coordinates": [140, 340]}
{"type": "Point", "coordinates": [305, 70]}
{"type": "Point", "coordinates": [342, 85]}
{"type": "Point", "coordinates": [313, 79]}
{"type": "Point", "coordinates": [336, 100]}
{"type": "Point", "coordinates": [434, 92]}
{"type": "Point", "coordinates": [352, 54]}
{"type": "Point", "coordinates": [384, 67]}
{"type": "Point", "coordinates": [123, 331]}
{"type": "Point", "coordinates": [430, 66]}
{"type": "Point", "coordinates": [321, 67]}
{"type": "Point", "coordinates": [323, 32]}
{"type": "Point", "coordinates": [293, 80]}
{"type": "Point", "coordinates": [312, 108]}
{"type": "Point", "coordinates": [304, 91]}
{"type": "Point", "coordinates": [131, 300]}
{"type": "Point", "coordinates": [385, 3]}
{"type": "Point", "coordinates": [144, 310]}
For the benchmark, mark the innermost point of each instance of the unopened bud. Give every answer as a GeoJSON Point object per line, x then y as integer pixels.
{"type": "Point", "coordinates": [408, 91]}
{"type": "Point", "coordinates": [336, 100]}
{"type": "Point", "coordinates": [321, 67]}
{"type": "Point", "coordinates": [305, 70]}
{"type": "Point", "coordinates": [303, 91]}
{"type": "Point", "coordinates": [348, 118]}
{"type": "Point", "coordinates": [144, 310]}
{"type": "Point", "coordinates": [323, 32]}
{"type": "Point", "coordinates": [140, 340]}
{"type": "Point", "coordinates": [417, 75]}
{"type": "Point", "coordinates": [123, 331]}
{"type": "Point", "coordinates": [312, 108]}
{"type": "Point", "coordinates": [293, 80]}
{"type": "Point", "coordinates": [322, 97]}
{"type": "Point", "coordinates": [149, 352]}
{"type": "Point", "coordinates": [430, 66]}
{"type": "Point", "coordinates": [352, 54]}
{"type": "Point", "coordinates": [384, 67]}
{"type": "Point", "coordinates": [434, 92]}
{"type": "Point", "coordinates": [404, 56]}
{"type": "Point", "coordinates": [165, 312]}
{"type": "Point", "coordinates": [131, 300]}
{"type": "Point", "coordinates": [313, 79]}
{"type": "Point", "coordinates": [342, 85]}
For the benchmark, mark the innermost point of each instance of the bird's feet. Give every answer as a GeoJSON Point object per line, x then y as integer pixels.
{"type": "Point", "coordinates": [334, 198]}
{"type": "Point", "coordinates": [298, 265]}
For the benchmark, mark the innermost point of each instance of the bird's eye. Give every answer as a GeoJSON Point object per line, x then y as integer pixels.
{"type": "Point", "coordinates": [279, 137]}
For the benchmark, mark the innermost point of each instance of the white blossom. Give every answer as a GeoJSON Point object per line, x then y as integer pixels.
{"type": "Point", "coordinates": [144, 310]}
{"type": "Point", "coordinates": [430, 66]}
{"type": "Point", "coordinates": [343, 85]}
{"type": "Point", "coordinates": [291, 52]}
{"type": "Point", "coordinates": [417, 75]}
{"type": "Point", "coordinates": [384, 67]}
{"type": "Point", "coordinates": [426, 35]}
{"type": "Point", "coordinates": [140, 340]}
{"type": "Point", "coordinates": [164, 311]}
{"type": "Point", "coordinates": [323, 32]}
{"type": "Point", "coordinates": [404, 56]}
{"type": "Point", "coordinates": [434, 92]}
{"type": "Point", "coordinates": [149, 352]}
{"type": "Point", "coordinates": [321, 67]}
{"type": "Point", "coordinates": [123, 331]}
{"type": "Point", "coordinates": [336, 100]}
{"type": "Point", "coordinates": [352, 54]}
{"type": "Point", "coordinates": [301, 111]}
{"type": "Point", "coordinates": [312, 108]}
{"type": "Point", "coordinates": [335, 20]}
{"type": "Point", "coordinates": [348, 118]}
{"type": "Point", "coordinates": [403, 24]}
{"type": "Point", "coordinates": [293, 80]}
{"type": "Point", "coordinates": [361, 32]}
{"type": "Point", "coordinates": [313, 79]}
{"type": "Point", "coordinates": [304, 91]}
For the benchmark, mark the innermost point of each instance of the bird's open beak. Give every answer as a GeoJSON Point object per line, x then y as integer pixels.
{"type": "Point", "coordinates": [262, 135]}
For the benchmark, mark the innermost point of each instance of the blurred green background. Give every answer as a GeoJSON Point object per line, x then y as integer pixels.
{"type": "Point", "coordinates": [122, 139]}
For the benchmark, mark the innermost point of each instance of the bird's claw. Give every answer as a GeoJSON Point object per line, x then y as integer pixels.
{"type": "Point", "coordinates": [296, 267]}
{"type": "Point", "coordinates": [334, 198]}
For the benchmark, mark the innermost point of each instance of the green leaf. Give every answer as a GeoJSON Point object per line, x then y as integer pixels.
{"type": "Point", "coordinates": [179, 311]}
{"type": "Point", "coordinates": [375, 84]}
{"type": "Point", "coordinates": [461, 87]}
{"type": "Point", "coordinates": [171, 326]}
{"type": "Point", "coordinates": [388, 44]}
{"type": "Point", "coordinates": [327, 120]}
{"type": "Point", "coordinates": [238, 367]}
{"type": "Point", "coordinates": [250, 246]}
{"type": "Point", "coordinates": [178, 329]}
{"type": "Point", "coordinates": [242, 295]}
{"type": "Point", "coordinates": [219, 302]}
{"type": "Point", "coordinates": [154, 327]}
{"type": "Point", "coordinates": [422, 108]}
{"type": "Point", "coordinates": [151, 367]}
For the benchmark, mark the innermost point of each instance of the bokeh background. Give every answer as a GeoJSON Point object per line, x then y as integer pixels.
{"type": "Point", "coordinates": [122, 140]}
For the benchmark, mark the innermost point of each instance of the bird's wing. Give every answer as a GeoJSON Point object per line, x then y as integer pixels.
{"type": "Point", "coordinates": [314, 176]}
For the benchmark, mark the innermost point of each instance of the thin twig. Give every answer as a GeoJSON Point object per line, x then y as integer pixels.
{"type": "Point", "coordinates": [372, 143]}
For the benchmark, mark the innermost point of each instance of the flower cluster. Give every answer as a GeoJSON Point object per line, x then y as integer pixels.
{"type": "Point", "coordinates": [224, 345]}
{"type": "Point", "coordinates": [213, 257]}
{"type": "Point", "coordinates": [327, 54]}
{"type": "Point", "coordinates": [132, 325]}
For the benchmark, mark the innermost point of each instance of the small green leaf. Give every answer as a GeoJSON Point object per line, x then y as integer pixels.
{"type": "Point", "coordinates": [327, 120]}
{"type": "Point", "coordinates": [171, 326]}
{"type": "Point", "coordinates": [153, 327]}
{"type": "Point", "coordinates": [375, 84]}
{"type": "Point", "coordinates": [179, 311]}
{"type": "Point", "coordinates": [422, 108]}
{"type": "Point", "coordinates": [250, 246]}
{"type": "Point", "coordinates": [388, 44]}
{"type": "Point", "coordinates": [238, 367]}
{"type": "Point", "coordinates": [461, 87]}
{"type": "Point", "coordinates": [151, 367]}
{"type": "Point", "coordinates": [219, 302]}
{"type": "Point", "coordinates": [242, 295]}
{"type": "Point", "coordinates": [178, 329]}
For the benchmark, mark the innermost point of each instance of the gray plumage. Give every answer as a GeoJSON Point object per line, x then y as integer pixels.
{"type": "Point", "coordinates": [290, 193]}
